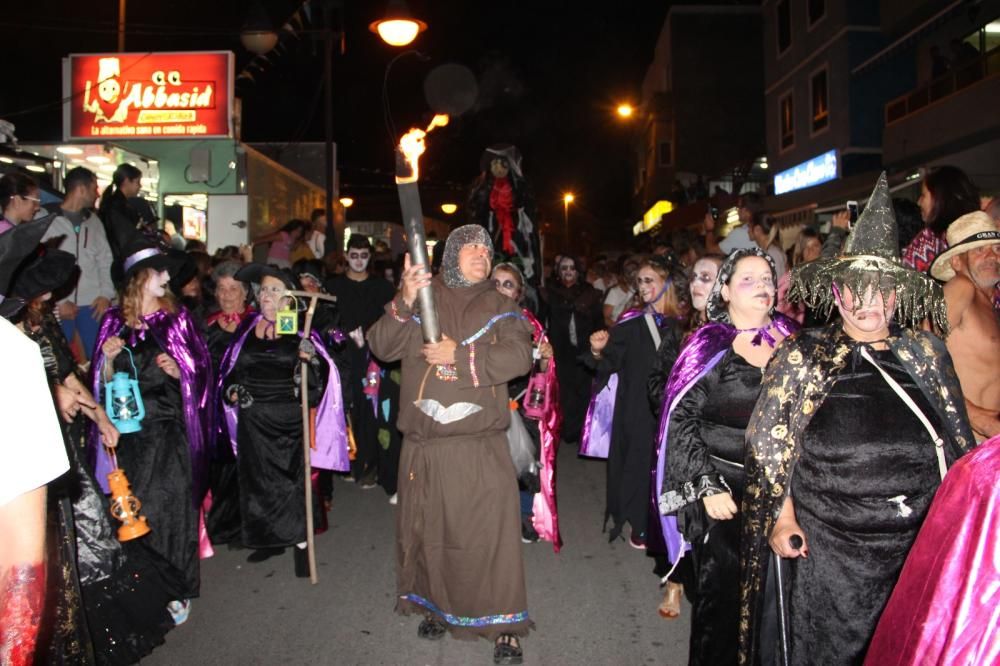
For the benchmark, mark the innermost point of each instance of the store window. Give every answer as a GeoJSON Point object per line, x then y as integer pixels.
{"type": "Point", "coordinates": [817, 10]}
{"type": "Point", "coordinates": [820, 95]}
{"type": "Point", "coordinates": [665, 156]}
{"type": "Point", "coordinates": [783, 11]}
{"type": "Point", "coordinates": [786, 121]}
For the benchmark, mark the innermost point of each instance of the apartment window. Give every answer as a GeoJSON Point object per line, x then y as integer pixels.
{"type": "Point", "coordinates": [786, 121]}
{"type": "Point", "coordinates": [817, 10]}
{"type": "Point", "coordinates": [784, 15]}
{"type": "Point", "coordinates": [820, 96]}
{"type": "Point", "coordinates": [664, 156]}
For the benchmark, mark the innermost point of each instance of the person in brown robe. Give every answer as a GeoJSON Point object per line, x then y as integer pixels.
{"type": "Point", "coordinates": [458, 538]}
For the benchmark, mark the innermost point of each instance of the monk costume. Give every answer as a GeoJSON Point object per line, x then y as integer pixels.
{"type": "Point", "coordinates": [458, 528]}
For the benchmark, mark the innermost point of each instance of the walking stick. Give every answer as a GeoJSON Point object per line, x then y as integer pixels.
{"type": "Point", "coordinates": [795, 541]}
{"type": "Point", "coordinates": [306, 425]}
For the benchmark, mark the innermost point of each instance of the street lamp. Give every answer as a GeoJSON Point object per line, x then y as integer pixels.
{"type": "Point", "coordinates": [397, 27]}
{"type": "Point", "coordinates": [448, 208]}
{"type": "Point", "coordinates": [346, 202]}
{"type": "Point", "coordinates": [625, 110]}
{"type": "Point", "coordinates": [568, 198]}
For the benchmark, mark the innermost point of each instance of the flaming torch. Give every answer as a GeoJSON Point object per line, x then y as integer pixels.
{"type": "Point", "coordinates": [408, 153]}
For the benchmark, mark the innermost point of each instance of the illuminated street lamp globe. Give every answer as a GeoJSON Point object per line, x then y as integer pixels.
{"type": "Point", "coordinates": [397, 27]}
{"type": "Point", "coordinates": [346, 202]}
{"type": "Point", "coordinates": [625, 110]}
{"type": "Point", "coordinates": [448, 208]}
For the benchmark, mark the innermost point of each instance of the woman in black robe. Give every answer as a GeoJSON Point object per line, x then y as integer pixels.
{"type": "Point", "coordinates": [705, 453]}
{"type": "Point", "coordinates": [151, 338]}
{"type": "Point", "coordinates": [223, 518]}
{"type": "Point", "coordinates": [573, 311]}
{"type": "Point", "coordinates": [629, 351]}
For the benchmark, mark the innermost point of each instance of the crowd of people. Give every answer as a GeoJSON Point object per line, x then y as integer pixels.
{"type": "Point", "coordinates": [776, 413]}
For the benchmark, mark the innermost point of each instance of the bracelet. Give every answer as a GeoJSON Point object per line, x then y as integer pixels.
{"type": "Point", "coordinates": [395, 313]}
{"type": "Point", "coordinates": [595, 354]}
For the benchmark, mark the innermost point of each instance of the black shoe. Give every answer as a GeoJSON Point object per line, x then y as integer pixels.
{"type": "Point", "coordinates": [507, 650]}
{"type": "Point", "coordinates": [528, 533]}
{"type": "Point", "coordinates": [301, 562]}
{"type": "Point", "coordinates": [431, 630]}
{"type": "Point", "coordinates": [261, 554]}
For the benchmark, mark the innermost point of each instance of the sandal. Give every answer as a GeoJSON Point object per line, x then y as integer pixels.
{"type": "Point", "coordinates": [431, 630]}
{"type": "Point", "coordinates": [670, 607]}
{"type": "Point", "coordinates": [507, 650]}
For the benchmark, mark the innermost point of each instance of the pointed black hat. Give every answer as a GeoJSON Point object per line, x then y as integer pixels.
{"type": "Point", "coordinates": [870, 259]}
{"type": "Point", "coordinates": [15, 246]}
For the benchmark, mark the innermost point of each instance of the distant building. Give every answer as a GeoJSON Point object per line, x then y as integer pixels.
{"type": "Point", "coordinates": [701, 115]}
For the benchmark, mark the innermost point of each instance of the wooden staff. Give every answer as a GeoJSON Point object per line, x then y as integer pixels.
{"type": "Point", "coordinates": [307, 424]}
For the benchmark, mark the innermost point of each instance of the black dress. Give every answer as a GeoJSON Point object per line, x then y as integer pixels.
{"type": "Point", "coordinates": [269, 437]}
{"type": "Point", "coordinates": [573, 313]}
{"type": "Point", "coordinates": [631, 352]}
{"type": "Point", "coordinates": [223, 519]}
{"type": "Point", "coordinates": [105, 602]}
{"type": "Point", "coordinates": [861, 488]}
{"type": "Point", "coordinates": [157, 461]}
{"type": "Point", "coordinates": [706, 448]}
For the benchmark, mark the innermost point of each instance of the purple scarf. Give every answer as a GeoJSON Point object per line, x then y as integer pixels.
{"type": "Point", "coordinates": [331, 450]}
{"type": "Point", "coordinates": [703, 350]}
{"type": "Point", "coordinates": [178, 335]}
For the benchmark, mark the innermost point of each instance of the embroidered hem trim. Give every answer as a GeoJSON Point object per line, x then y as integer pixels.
{"type": "Point", "coordinates": [462, 621]}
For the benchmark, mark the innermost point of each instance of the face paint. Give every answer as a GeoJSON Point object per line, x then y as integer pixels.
{"type": "Point", "coordinates": [705, 272]}
{"type": "Point", "coordinates": [358, 260]}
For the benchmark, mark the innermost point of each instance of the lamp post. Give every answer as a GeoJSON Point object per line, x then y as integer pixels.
{"type": "Point", "coordinates": [568, 198]}
{"type": "Point", "coordinates": [397, 27]}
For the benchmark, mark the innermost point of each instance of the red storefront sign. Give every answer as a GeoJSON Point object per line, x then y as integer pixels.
{"type": "Point", "coordinates": [148, 95]}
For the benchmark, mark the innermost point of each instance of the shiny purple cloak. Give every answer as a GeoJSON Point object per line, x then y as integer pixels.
{"type": "Point", "coordinates": [595, 439]}
{"type": "Point", "coordinates": [178, 335]}
{"type": "Point", "coordinates": [702, 351]}
{"type": "Point", "coordinates": [331, 451]}
{"type": "Point", "coordinates": [945, 608]}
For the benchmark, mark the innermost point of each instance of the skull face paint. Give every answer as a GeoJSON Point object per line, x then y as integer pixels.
{"type": "Point", "coordinates": [357, 260]}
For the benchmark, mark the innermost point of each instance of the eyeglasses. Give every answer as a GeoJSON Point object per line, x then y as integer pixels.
{"type": "Point", "coordinates": [506, 284]}
{"type": "Point", "coordinates": [35, 199]}
{"type": "Point", "coordinates": [274, 291]}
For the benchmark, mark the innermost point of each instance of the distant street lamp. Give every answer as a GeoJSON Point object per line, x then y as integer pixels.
{"type": "Point", "coordinates": [625, 110]}
{"type": "Point", "coordinates": [568, 198]}
{"type": "Point", "coordinates": [257, 34]}
{"type": "Point", "coordinates": [346, 202]}
{"type": "Point", "coordinates": [397, 27]}
{"type": "Point", "coordinates": [448, 208]}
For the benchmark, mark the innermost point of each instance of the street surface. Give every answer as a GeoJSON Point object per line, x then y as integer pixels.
{"type": "Point", "coordinates": [593, 603]}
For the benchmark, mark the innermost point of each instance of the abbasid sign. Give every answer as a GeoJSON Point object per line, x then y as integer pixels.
{"type": "Point", "coordinates": [148, 95]}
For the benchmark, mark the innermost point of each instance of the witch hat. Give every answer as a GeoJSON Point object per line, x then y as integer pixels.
{"type": "Point", "coordinates": [870, 259]}
{"type": "Point", "coordinates": [141, 251]}
{"type": "Point", "coordinates": [15, 246]}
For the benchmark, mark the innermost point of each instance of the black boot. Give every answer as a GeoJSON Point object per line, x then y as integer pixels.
{"type": "Point", "coordinates": [301, 562]}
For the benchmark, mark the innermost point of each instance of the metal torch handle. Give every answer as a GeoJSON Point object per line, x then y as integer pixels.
{"type": "Point", "coordinates": [413, 224]}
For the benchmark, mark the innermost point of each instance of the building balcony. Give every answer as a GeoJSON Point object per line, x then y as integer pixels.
{"type": "Point", "coordinates": [949, 113]}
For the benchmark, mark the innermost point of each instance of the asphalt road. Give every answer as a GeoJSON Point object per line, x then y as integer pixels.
{"type": "Point", "coordinates": [593, 603]}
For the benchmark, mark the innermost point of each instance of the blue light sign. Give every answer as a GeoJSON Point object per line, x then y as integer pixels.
{"type": "Point", "coordinates": [820, 169]}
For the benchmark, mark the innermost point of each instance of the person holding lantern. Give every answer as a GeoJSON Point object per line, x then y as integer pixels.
{"type": "Point", "coordinates": [259, 383]}
{"type": "Point", "coordinates": [151, 364]}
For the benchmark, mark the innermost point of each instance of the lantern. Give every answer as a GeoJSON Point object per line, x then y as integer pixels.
{"type": "Point", "coordinates": [123, 401]}
{"type": "Point", "coordinates": [536, 402]}
{"type": "Point", "coordinates": [125, 507]}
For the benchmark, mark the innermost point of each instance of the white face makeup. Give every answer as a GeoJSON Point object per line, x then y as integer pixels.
{"type": "Point", "coordinates": [507, 284]}
{"type": "Point", "coordinates": [650, 284]}
{"type": "Point", "coordinates": [702, 278]}
{"type": "Point", "coordinates": [567, 272]}
{"type": "Point", "coordinates": [357, 259]}
{"type": "Point", "coordinates": [271, 289]}
{"type": "Point", "coordinates": [157, 284]}
{"type": "Point", "coordinates": [750, 291]}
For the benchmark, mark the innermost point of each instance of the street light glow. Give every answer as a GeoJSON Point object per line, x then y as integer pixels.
{"type": "Point", "coordinates": [625, 110]}
{"type": "Point", "coordinates": [346, 202]}
{"type": "Point", "coordinates": [448, 208]}
{"type": "Point", "coordinates": [568, 198]}
{"type": "Point", "coordinates": [398, 31]}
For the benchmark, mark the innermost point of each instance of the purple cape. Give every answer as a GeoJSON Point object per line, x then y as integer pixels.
{"type": "Point", "coordinates": [703, 350]}
{"type": "Point", "coordinates": [179, 337]}
{"type": "Point", "coordinates": [331, 450]}
{"type": "Point", "coordinates": [595, 440]}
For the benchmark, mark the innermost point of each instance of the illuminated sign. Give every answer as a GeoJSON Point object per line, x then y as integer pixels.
{"type": "Point", "coordinates": [148, 95]}
{"type": "Point", "coordinates": [820, 169]}
{"type": "Point", "coordinates": [653, 215]}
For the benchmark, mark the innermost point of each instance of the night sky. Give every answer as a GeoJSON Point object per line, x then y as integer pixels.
{"type": "Point", "coordinates": [548, 77]}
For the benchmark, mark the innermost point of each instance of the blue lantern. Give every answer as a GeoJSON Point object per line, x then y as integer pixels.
{"type": "Point", "coordinates": [123, 402]}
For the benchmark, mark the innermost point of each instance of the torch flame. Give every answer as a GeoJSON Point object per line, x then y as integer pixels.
{"type": "Point", "coordinates": [412, 146]}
